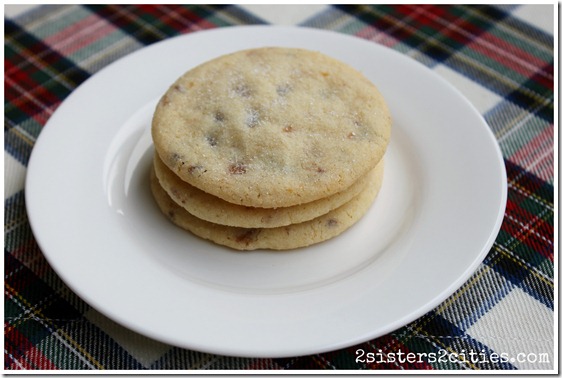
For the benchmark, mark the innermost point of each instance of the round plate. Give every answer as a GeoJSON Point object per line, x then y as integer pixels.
{"type": "Point", "coordinates": [436, 216]}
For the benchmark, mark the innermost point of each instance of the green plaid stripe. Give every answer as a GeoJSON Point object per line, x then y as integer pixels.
{"type": "Point", "coordinates": [49, 327]}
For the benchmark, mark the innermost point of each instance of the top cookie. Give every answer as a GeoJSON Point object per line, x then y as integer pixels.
{"type": "Point", "coordinates": [271, 127]}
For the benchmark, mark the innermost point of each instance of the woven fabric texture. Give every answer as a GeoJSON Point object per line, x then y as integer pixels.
{"type": "Point", "coordinates": [502, 61]}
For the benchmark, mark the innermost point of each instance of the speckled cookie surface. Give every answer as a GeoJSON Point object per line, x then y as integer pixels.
{"type": "Point", "coordinates": [271, 127]}
{"type": "Point", "coordinates": [293, 236]}
{"type": "Point", "coordinates": [215, 210]}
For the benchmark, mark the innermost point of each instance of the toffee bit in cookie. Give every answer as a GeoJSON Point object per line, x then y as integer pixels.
{"type": "Point", "coordinates": [211, 140]}
{"type": "Point", "coordinates": [252, 118]}
{"type": "Point", "coordinates": [283, 89]}
{"type": "Point", "coordinates": [314, 167]}
{"type": "Point", "coordinates": [194, 169]}
{"type": "Point", "coordinates": [237, 168]}
{"type": "Point", "coordinates": [180, 88]}
{"type": "Point", "coordinates": [351, 135]}
{"type": "Point", "coordinates": [332, 222]}
{"type": "Point", "coordinates": [165, 100]}
{"type": "Point", "coordinates": [248, 236]}
{"type": "Point", "coordinates": [175, 192]}
{"type": "Point", "coordinates": [176, 159]}
{"type": "Point", "coordinates": [242, 90]}
{"type": "Point", "coordinates": [219, 116]}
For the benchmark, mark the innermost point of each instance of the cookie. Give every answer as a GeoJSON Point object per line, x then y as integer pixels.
{"type": "Point", "coordinates": [271, 127]}
{"type": "Point", "coordinates": [215, 210]}
{"type": "Point", "coordinates": [292, 236]}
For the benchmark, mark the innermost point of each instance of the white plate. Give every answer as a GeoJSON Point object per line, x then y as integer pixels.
{"type": "Point", "coordinates": [436, 217]}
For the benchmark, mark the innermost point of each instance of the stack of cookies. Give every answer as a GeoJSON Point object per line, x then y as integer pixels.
{"type": "Point", "coordinates": [269, 148]}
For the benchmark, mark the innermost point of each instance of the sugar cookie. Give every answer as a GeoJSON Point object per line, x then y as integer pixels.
{"type": "Point", "coordinates": [271, 127]}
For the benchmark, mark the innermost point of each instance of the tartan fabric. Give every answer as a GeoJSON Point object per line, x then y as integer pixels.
{"type": "Point", "coordinates": [504, 64]}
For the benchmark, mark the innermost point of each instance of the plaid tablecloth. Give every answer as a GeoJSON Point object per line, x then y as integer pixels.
{"type": "Point", "coordinates": [500, 57]}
